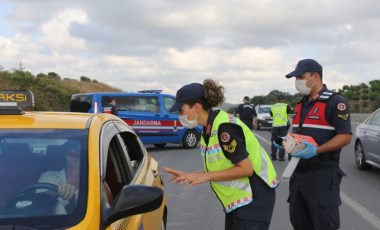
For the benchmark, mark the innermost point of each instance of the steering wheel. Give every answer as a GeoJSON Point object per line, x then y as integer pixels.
{"type": "Point", "coordinates": [33, 187]}
{"type": "Point", "coordinates": [28, 202]}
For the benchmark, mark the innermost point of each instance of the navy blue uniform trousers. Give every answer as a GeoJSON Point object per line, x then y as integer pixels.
{"type": "Point", "coordinates": [256, 215]}
{"type": "Point", "coordinates": [314, 199]}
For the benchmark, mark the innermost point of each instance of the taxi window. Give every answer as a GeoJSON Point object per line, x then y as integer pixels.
{"type": "Point", "coordinates": [118, 168]}
{"type": "Point", "coordinates": [32, 164]}
{"type": "Point", "coordinates": [134, 150]}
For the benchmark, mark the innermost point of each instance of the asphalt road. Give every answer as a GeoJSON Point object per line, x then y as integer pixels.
{"type": "Point", "coordinates": [199, 209]}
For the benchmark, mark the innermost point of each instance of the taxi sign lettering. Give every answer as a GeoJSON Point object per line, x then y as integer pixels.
{"type": "Point", "coordinates": [15, 100]}
{"type": "Point", "coordinates": [13, 97]}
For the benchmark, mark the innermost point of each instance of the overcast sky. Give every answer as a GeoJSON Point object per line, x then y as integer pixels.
{"type": "Point", "coordinates": [246, 45]}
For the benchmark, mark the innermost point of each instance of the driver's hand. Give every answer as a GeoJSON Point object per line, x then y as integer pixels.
{"type": "Point", "coordinates": [66, 191]}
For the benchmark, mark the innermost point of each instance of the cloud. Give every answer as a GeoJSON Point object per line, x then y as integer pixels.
{"type": "Point", "coordinates": [246, 45]}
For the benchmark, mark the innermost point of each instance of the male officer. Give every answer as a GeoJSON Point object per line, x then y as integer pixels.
{"type": "Point", "coordinates": [314, 196]}
{"type": "Point", "coordinates": [280, 113]}
{"type": "Point", "coordinates": [246, 112]}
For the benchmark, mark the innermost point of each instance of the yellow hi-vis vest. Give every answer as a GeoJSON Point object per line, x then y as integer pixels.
{"type": "Point", "coordinates": [280, 115]}
{"type": "Point", "coordinates": [236, 193]}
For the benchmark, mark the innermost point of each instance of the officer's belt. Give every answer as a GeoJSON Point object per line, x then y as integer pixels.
{"type": "Point", "coordinates": [306, 167]}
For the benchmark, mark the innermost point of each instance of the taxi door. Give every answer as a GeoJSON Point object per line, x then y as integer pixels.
{"type": "Point", "coordinates": [125, 161]}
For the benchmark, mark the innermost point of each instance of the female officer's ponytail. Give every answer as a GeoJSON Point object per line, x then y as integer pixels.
{"type": "Point", "coordinates": [213, 93]}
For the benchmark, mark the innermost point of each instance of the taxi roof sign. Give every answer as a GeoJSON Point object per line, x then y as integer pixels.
{"type": "Point", "coordinates": [13, 101]}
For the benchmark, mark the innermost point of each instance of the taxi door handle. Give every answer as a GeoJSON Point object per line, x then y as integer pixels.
{"type": "Point", "coordinates": [155, 173]}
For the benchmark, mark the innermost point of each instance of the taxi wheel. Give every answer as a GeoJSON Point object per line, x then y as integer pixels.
{"type": "Point", "coordinates": [190, 139]}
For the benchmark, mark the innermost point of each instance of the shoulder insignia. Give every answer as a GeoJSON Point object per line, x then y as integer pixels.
{"type": "Point", "coordinates": [224, 137]}
{"type": "Point", "coordinates": [326, 95]}
{"type": "Point", "coordinates": [341, 106]}
{"type": "Point", "coordinates": [231, 148]}
{"type": "Point", "coordinates": [344, 116]}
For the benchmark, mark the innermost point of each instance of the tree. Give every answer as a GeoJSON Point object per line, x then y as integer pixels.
{"type": "Point", "coordinates": [53, 75]}
{"type": "Point", "coordinates": [375, 85]}
{"type": "Point", "coordinates": [84, 78]}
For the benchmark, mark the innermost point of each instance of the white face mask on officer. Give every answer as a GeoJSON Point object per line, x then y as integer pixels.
{"type": "Point", "coordinates": [186, 122]}
{"type": "Point", "coordinates": [301, 86]}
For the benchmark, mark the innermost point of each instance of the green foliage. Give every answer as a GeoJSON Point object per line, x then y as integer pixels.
{"type": "Point", "coordinates": [84, 78]}
{"type": "Point", "coordinates": [50, 92]}
{"type": "Point", "coordinates": [375, 85]}
{"type": "Point", "coordinates": [363, 86]}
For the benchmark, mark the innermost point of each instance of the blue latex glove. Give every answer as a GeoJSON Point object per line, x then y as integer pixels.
{"type": "Point", "coordinates": [308, 152]}
{"type": "Point", "coordinates": [276, 145]}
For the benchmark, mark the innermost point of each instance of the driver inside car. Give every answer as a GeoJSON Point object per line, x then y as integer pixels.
{"type": "Point", "coordinates": [67, 180]}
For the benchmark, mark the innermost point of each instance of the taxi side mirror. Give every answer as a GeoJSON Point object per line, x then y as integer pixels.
{"type": "Point", "coordinates": [133, 200]}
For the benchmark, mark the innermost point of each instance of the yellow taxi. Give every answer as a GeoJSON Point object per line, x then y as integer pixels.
{"type": "Point", "coordinates": [64, 170]}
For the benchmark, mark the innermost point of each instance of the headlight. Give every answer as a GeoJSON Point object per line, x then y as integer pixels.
{"type": "Point", "coordinates": [260, 117]}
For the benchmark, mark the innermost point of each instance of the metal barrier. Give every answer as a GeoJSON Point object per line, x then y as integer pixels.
{"type": "Point", "coordinates": [359, 117]}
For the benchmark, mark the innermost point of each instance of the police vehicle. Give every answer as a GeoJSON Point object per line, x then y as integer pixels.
{"type": "Point", "coordinates": [64, 170]}
{"type": "Point", "coordinates": [146, 112]}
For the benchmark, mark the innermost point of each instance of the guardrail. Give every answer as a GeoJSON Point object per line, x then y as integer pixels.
{"type": "Point", "coordinates": [359, 117]}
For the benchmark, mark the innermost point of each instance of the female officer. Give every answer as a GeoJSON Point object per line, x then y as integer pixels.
{"type": "Point", "coordinates": [240, 172]}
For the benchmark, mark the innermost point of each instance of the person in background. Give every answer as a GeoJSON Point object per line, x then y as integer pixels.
{"type": "Point", "coordinates": [280, 114]}
{"type": "Point", "coordinates": [111, 107]}
{"type": "Point", "coordinates": [246, 112]}
{"type": "Point", "coordinates": [314, 189]}
{"type": "Point", "coordinates": [239, 170]}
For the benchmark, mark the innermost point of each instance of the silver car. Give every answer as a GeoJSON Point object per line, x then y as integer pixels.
{"type": "Point", "coordinates": [367, 143]}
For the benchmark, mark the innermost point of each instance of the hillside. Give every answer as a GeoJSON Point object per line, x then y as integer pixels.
{"type": "Point", "coordinates": [51, 93]}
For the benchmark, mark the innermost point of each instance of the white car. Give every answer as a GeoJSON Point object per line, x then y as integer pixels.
{"type": "Point", "coordinates": [263, 119]}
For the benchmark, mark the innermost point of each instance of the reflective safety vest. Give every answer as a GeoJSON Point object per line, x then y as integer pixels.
{"type": "Point", "coordinates": [236, 193]}
{"type": "Point", "coordinates": [280, 115]}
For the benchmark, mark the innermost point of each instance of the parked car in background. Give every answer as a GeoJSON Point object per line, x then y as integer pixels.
{"type": "Point", "coordinates": [110, 181]}
{"type": "Point", "coordinates": [263, 119]}
{"type": "Point", "coordinates": [146, 112]}
{"type": "Point", "coordinates": [367, 142]}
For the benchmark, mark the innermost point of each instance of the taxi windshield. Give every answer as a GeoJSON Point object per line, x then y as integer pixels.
{"type": "Point", "coordinates": [43, 177]}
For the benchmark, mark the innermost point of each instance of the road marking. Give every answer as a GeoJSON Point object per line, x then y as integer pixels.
{"type": "Point", "coordinates": [360, 210]}
{"type": "Point", "coordinates": [262, 138]}
{"type": "Point", "coordinates": [363, 212]}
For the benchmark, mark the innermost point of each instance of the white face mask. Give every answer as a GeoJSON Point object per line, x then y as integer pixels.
{"type": "Point", "coordinates": [188, 123]}
{"type": "Point", "coordinates": [301, 86]}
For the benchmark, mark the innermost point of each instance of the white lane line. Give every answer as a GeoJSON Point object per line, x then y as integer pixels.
{"type": "Point", "coordinates": [360, 210]}
{"type": "Point", "coordinates": [263, 139]}
{"type": "Point", "coordinates": [363, 212]}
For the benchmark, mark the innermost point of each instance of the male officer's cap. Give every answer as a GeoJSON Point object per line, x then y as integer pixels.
{"type": "Point", "coordinates": [280, 97]}
{"type": "Point", "coordinates": [304, 66]}
{"type": "Point", "coordinates": [187, 94]}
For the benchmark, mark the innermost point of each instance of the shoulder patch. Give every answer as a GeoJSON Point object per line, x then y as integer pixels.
{"type": "Point", "coordinates": [224, 137]}
{"type": "Point", "coordinates": [344, 116]}
{"type": "Point", "coordinates": [231, 148]}
{"type": "Point", "coordinates": [341, 106]}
